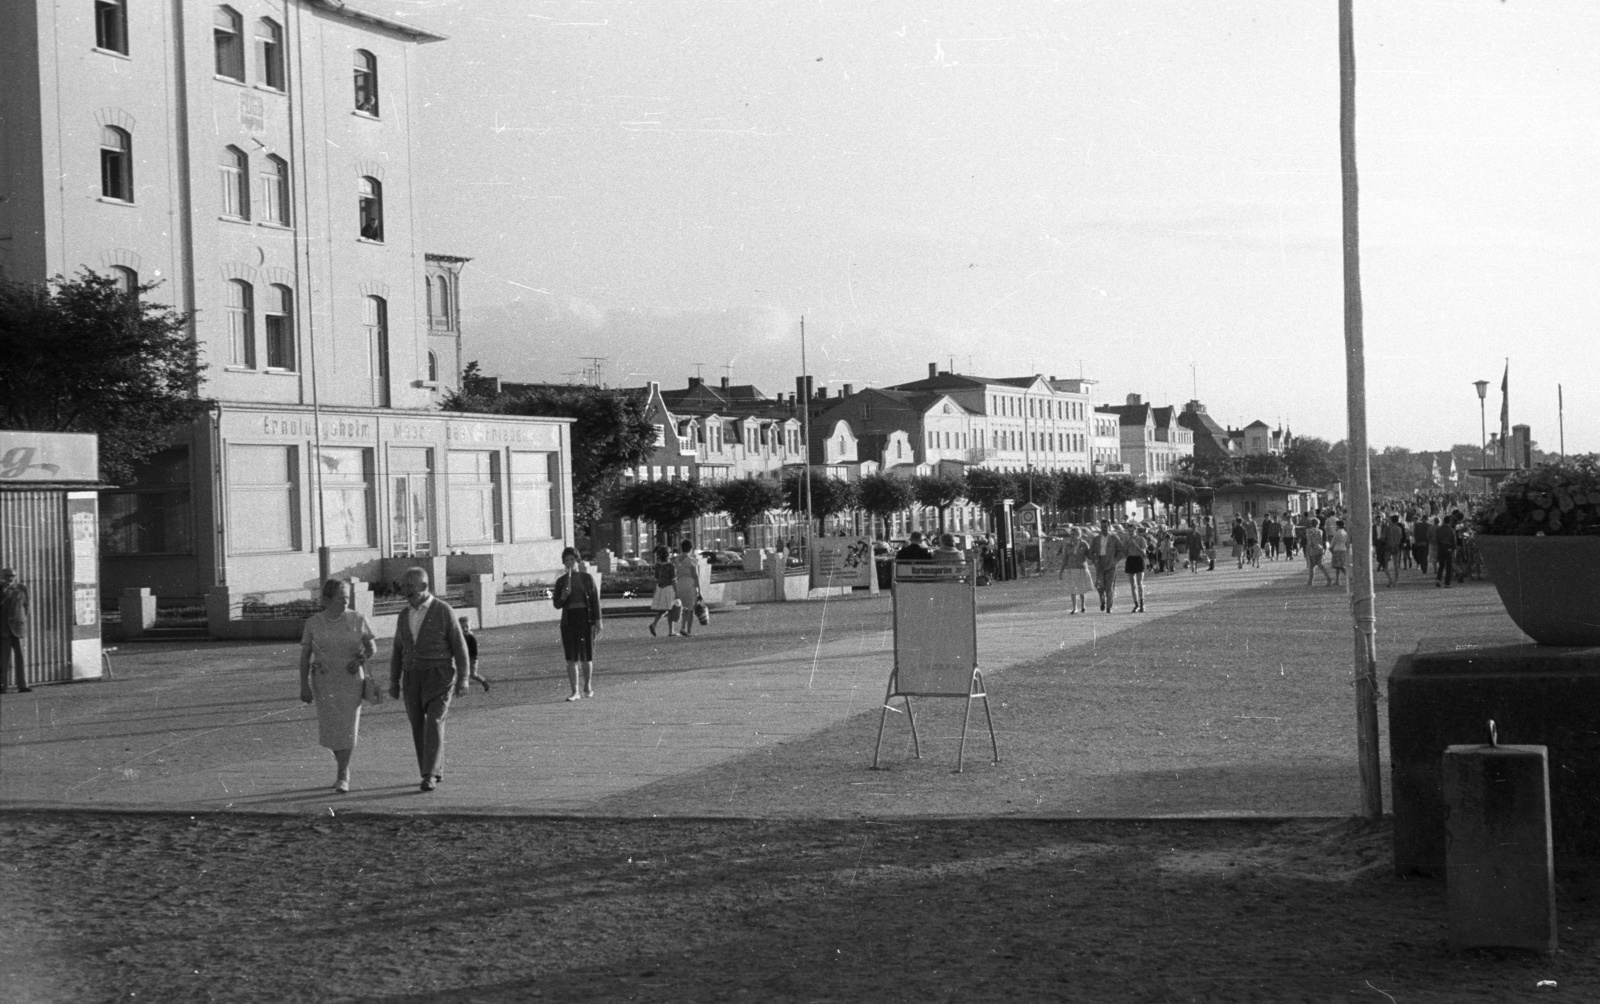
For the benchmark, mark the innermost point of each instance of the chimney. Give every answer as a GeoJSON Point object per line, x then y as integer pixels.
{"type": "Point", "coordinates": [695, 382]}
{"type": "Point", "coordinates": [933, 370]}
{"type": "Point", "coordinates": [848, 390]}
{"type": "Point", "coordinates": [724, 383]}
{"type": "Point", "coordinates": [1135, 399]}
{"type": "Point", "coordinates": [800, 388]}
{"type": "Point", "coordinates": [822, 392]}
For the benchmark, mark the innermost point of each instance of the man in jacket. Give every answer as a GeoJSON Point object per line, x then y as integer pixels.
{"type": "Point", "coordinates": [1107, 551]}
{"type": "Point", "coordinates": [428, 666]}
{"type": "Point", "coordinates": [13, 628]}
{"type": "Point", "coordinates": [1444, 549]}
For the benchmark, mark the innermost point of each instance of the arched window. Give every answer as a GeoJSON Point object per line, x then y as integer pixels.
{"type": "Point", "coordinates": [433, 366]}
{"type": "Point", "coordinates": [275, 191]}
{"type": "Point", "coordinates": [278, 314]}
{"type": "Point", "coordinates": [442, 300]}
{"type": "Point", "coordinates": [127, 279]}
{"type": "Point", "coordinates": [269, 54]}
{"type": "Point", "coordinates": [235, 169]}
{"type": "Point", "coordinates": [227, 35]}
{"type": "Point", "coordinates": [241, 310]}
{"type": "Point", "coordinates": [377, 322]}
{"type": "Point", "coordinates": [366, 80]}
{"type": "Point", "coordinates": [370, 201]}
{"type": "Point", "coordinates": [116, 164]}
{"type": "Point", "coordinates": [111, 25]}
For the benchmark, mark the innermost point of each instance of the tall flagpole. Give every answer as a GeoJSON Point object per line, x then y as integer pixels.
{"type": "Point", "coordinates": [1359, 516]}
{"type": "Point", "coordinates": [805, 423]}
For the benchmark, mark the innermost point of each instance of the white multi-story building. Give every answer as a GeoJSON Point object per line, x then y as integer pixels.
{"type": "Point", "coordinates": [256, 160]}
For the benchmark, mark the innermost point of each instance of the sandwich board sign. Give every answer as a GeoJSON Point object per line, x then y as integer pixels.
{"type": "Point", "coordinates": [936, 645]}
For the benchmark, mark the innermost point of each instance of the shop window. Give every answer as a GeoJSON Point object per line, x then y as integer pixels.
{"type": "Point", "coordinates": [369, 202]}
{"type": "Point", "coordinates": [263, 499]}
{"type": "Point", "coordinates": [116, 164]}
{"type": "Point", "coordinates": [275, 191]}
{"type": "Point", "coordinates": [377, 323]}
{"type": "Point", "coordinates": [278, 320]}
{"type": "Point", "coordinates": [366, 81]}
{"type": "Point", "coordinates": [235, 173]}
{"type": "Point", "coordinates": [269, 54]}
{"type": "Point", "coordinates": [410, 501]}
{"type": "Point", "coordinates": [241, 311]}
{"type": "Point", "coordinates": [111, 25]}
{"type": "Point", "coordinates": [153, 514]}
{"type": "Point", "coordinates": [473, 477]}
{"type": "Point", "coordinates": [227, 35]}
{"type": "Point", "coordinates": [346, 491]}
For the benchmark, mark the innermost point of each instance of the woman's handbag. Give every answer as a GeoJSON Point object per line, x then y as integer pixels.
{"type": "Point", "coordinates": [372, 691]}
{"type": "Point", "coordinates": [701, 614]}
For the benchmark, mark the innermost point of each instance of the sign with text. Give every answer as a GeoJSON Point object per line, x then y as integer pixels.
{"type": "Point", "coordinates": [49, 456]}
{"type": "Point", "coordinates": [841, 561]}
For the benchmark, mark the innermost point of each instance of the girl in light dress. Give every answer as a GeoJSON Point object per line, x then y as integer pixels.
{"type": "Point", "coordinates": [1074, 575]}
{"type": "Point", "coordinates": [334, 650]}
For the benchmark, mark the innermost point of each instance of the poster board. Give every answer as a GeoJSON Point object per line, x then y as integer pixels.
{"type": "Point", "coordinates": [935, 628]}
{"type": "Point", "coordinates": [841, 561]}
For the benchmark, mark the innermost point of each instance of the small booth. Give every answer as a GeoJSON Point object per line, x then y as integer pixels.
{"type": "Point", "coordinates": [49, 536]}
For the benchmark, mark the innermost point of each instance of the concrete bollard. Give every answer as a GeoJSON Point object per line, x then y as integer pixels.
{"type": "Point", "coordinates": [138, 608]}
{"type": "Point", "coordinates": [1499, 865]}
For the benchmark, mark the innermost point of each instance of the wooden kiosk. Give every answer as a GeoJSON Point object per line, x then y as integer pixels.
{"type": "Point", "coordinates": [936, 645]}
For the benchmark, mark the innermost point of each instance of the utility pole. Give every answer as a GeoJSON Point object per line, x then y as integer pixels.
{"type": "Point", "coordinates": [1363, 617]}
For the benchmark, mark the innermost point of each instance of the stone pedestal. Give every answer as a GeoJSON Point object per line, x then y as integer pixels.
{"type": "Point", "coordinates": [1444, 694]}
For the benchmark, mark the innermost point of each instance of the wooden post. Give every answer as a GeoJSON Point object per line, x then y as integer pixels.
{"type": "Point", "coordinates": [1363, 617]}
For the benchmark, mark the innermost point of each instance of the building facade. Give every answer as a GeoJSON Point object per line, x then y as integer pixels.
{"type": "Point", "coordinates": [255, 161]}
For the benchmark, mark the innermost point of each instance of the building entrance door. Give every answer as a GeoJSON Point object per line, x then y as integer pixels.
{"type": "Point", "coordinates": [411, 528]}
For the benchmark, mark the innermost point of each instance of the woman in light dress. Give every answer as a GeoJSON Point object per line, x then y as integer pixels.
{"type": "Point", "coordinates": [334, 650]}
{"type": "Point", "coordinates": [1075, 575]}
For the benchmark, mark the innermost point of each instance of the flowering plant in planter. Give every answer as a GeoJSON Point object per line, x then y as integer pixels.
{"type": "Point", "coordinates": [1552, 500]}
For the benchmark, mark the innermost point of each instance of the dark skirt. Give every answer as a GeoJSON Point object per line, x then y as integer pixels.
{"type": "Point", "coordinates": [1134, 565]}
{"type": "Point", "coordinates": [577, 635]}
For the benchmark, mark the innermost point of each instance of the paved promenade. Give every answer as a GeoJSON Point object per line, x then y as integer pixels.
{"type": "Point", "coordinates": [1230, 697]}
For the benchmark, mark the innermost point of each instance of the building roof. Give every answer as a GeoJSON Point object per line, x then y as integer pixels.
{"type": "Point", "coordinates": [1129, 414]}
{"type": "Point", "coordinates": [339, 8]}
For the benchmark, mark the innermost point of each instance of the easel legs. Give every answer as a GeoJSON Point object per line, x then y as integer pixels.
{"type": "Point", "coordinates": [889, 693]}
{"type": "Point", "coordinates": [982, 691]}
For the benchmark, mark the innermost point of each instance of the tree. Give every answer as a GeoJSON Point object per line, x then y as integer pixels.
{"type": "Point", "coordinates": [747, 500]}
{"type": "Point", "coordinates": [882, 496]}
{"type": "Point", "coordinates": [1119, 489]}
{"type": "Point", "coordinates": [1311, 462]}
{"type": "Point", "coordinates": [667, 504]}
{"type": "Point", "coordinates": [82, 355]}
{"type": "Point", "coordinates": [988, 488]}
{"type": "Point", "coordinates": [828, 495]}
{"type": "Point", "coordinates": [1079, 491]}
{"type": "Point", "coordinates": [610, 433]}
{"type": "Point", "coordinates": [477, 392]}
{"type": "Point", "coordinates": [938, 491]}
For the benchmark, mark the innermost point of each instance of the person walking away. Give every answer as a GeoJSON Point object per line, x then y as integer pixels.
{"type": "Point", "coordinates": [1313, 552]}
{"type": "Point", "coordinates": [334, 649]}
{"type": "Point", "coordinates": [1075, 576]}
{"type": "Point", "coordinates": [1394, 541]}
{"type": "Point", "coordinates": [664, 602]}
{"type": "Point", "coordinates": [1138, 549]}
{"type": "Point", "coordinates": [428, 666]}
{"type": "Point", "coordinates": [1237, 533]}
{"type": "Point", "coordinates": [1252, 542]}
{"type": "Point", "coordinates": [1421, 535]}
{"type": "Point", "coordinates": [13, 628]}
{"type": "Point", "coordinates": [472, 653]}
{"type": "Point", "coordinates": [1444, 545]}
{"type": "Point", "coordinates": [1211, 544]}
{"type": "Point", "coordinates": [1196, 548]}
{"type": "Point", "coordinates": [577, 596]}
{"type": "Point", "coordinates": [1272, 533]}
{"type": "Point", "coordinates": [1107, 550]}
{"type": "Point", "coordinates": [686, 583]}
{"type": "Point", "coordinates": [1339, 549]}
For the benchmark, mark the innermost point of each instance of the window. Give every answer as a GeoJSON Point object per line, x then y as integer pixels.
{"type": "Point", "coordinates": [235, 168]}
{"type": "Point", "coordinates": [227, 35]}
{"type": "Point", "coordinates": [433, 367]}
{"type": "Point", "coordinates": [111, 25]}
{"type": "Point", "coordinates": [411, 501]}
{"type": "Point", "coordinates": [241, 309]}
{"type": "Point", "coordinates": [278, 318]}
{"type": "Point", "coordinates": [370, 202]}
{"type": "Point", "coordinates": [275, 191]}
{"type": "Point", "coordinates": [377, 321]}
{"type": "Point", "coordinates": [269, 54]}
{"type": "Point", "coordinates": [346, 493]}
{"type": "Point", "coordinates": [366, 79]}
{"type": "Point", "coordinates": [263, 498]}
{"type": "Point", "coordinates": [116, 164]}
{"type": "Point", "coordinates": [474, 480]}
{"type": "Point", "coordinates": [155, 517]}
{"type": "Point", "coordinates": [127, 279]}
{"type": "Point", "coordinates": [441, 299]}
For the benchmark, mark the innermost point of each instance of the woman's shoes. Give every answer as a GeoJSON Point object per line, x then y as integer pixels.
{"type": "Point", "coordinates": [428, 784]}
{"type": "Point", "coordinates": [652, 630]}
{"type": "Point", "coordinates": [485, 682]}
{"type": "Point", "coordinates": [342, 785]}
{"type": "Point", "coordinates": [588, 692]}
{"type": "Point", "coordinates": [574, 697]}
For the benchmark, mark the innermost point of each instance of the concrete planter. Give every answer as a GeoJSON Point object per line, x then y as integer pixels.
{"type": "Point", "coordinates": [1550, 585]}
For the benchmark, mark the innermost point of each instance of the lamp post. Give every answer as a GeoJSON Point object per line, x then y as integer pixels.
{"type": "Point", "coordinates": [1483, 427]}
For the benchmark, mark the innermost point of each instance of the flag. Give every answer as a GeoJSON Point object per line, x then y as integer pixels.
{"type": "Point", "coordinates": [1505, 411]}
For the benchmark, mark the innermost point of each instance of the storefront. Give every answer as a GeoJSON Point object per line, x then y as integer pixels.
{"type": "Point", "coordinates": [249, 498]}
{"type": "Point", "coordinates": [47, 537]}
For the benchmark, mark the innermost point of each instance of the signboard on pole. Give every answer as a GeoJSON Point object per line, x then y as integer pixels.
{"type": "Point", "coordinates": [936, 644]}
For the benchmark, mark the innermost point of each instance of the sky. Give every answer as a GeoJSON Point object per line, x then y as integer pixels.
{"type": "Point", "coordinates": [1141, 192]}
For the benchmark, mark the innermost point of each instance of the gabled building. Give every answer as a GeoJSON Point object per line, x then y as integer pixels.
{"type": "Point", "coordinates": [1018, 423]}
{"type": "Point", "coordinates": [1152, 441]}
{"type": "Point", "coordinates": [1210, 440]}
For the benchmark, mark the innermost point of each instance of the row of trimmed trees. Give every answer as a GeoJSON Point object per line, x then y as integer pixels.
{"type": "Point", "coordinates": [672, 505]}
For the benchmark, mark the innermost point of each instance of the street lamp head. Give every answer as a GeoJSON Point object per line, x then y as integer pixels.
{"type": "Point", "coordinates": [1483, 388]}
